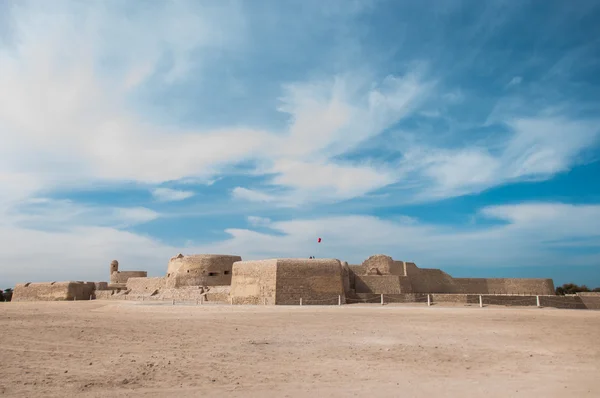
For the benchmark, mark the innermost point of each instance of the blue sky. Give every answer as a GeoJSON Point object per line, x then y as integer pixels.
{"type": "Point", "coordinates": [460, 135]}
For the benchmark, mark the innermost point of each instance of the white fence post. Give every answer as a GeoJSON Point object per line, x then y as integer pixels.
{"type": "Point", "coordinates": [382, 299]}
{"type": "Point", "coordinates": [264, 301]}
{"type": "Point", "coordinates": [231, 300]}
{"type": "Point", "coordinates": [201, 300]}
{"type": "Point", "coordinates": [173, 303]}
{"type": "Point", "coordinates": [300, 300]}
{"type": "Point", "coordinates": [480, 301]}
{"type": "Point", "coordinates": [537, 300]}
{"type": "Point", "coordinates": [428, 300]}
{"type": "Point", "coordinates": [340, 299]}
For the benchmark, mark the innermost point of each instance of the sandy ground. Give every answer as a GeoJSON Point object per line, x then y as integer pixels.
{"type": "Point", "coordinates": [128, 349]}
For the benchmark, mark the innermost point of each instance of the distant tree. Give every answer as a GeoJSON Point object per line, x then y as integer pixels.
{"type": "Point", "coordinates": [7, 295]}
{"type": "Point", "coordinates": [596, 290]}
{"type": "Point", "coordinates": [571, 288]}
{"type": "Point", "coordinates": [1, 296]}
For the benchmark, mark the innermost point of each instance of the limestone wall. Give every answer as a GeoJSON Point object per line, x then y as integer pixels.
{"type": "Point", "coordinates": [471, 285]}
{"type": "Point", "coordinates": [100, 285]}
{"type": "Point", "coordinates": [53, 291]}
{"type": "Point", "coordinates": [346, 278]}
{"type": "Point", "coordinates": [430, 281]}
{"type": "Point", "coordinates": [520, 286]}
{"type": "Point", "coordinates": [590, 299]}
{"type": "Point", "coordinates": [123, 276]}
{"type": "Point", "coordinates": [200, 270]}
{"type": "Point", "coordinates": [316, 281]}
{"type": "Point", "coordinates": [254, 282]}
{"type": "Point", "coordinates": [145, 285]}
{"type": "Point", "coordinates": [380, 284]}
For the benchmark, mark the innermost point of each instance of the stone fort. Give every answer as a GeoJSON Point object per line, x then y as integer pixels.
{"type": "Point", "coordinates": [226, 278]}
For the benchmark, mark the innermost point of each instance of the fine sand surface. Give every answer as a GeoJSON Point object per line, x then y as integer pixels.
{"type": "Point", "coordinates": [128, 349]}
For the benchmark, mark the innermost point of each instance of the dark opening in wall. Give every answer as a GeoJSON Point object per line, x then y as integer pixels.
{"type": "Point", "coordinates": [226, 272]}
{"type": "Point", "coordinates": [213, 273]}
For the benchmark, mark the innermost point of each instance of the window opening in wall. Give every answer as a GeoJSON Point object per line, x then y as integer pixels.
{"type": "Point", "coordinates": [226, 272]}
{"type": "Point", "coordinates": [213, 273]}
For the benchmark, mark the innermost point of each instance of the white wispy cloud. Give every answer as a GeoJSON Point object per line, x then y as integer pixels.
{"type": "Point", "coordinates": [252, 195]}
{"type": "Point", "coordinates": [64, 214]}
{"type": "Point", "coordinates": [171, 195]}
{"type": "Point", "coordinates": [531, 234]}
{"type": "Point", "coordinates": [515, 81]}
{"type": "Point", "coordinates": [535, 149]}
{"type": "Point", "coordinates": [257, 221]}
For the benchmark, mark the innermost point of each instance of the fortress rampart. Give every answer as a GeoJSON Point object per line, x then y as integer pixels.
{"type": "Point", "coordinates": [53, 291]}
{"type": "Point", "coordinates": [381, 274]}
{"type": "Point", "coordinates": [286, 281]}
{"type": "Point", "coordinates": [207, 277]}
{"type": "Point", "coordinates": [200, 270]}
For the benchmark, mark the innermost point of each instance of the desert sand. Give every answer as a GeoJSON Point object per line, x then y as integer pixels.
{"type": "Point", "coordinates": [129, 349]}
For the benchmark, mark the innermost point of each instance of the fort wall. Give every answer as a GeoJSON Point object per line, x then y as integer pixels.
{"type": "Point", "coordinates": [200, 270]}
{"type": "Point", "coordinates": [146, 285]}
{"type": "Point", "coordinates": [254, 282]}
{"type": "Point", "coordinates": [53, 291]}
{"type": "Point", "coordinates": [316, 281]}
{"type": "Point", "coordinates": [123, 276]}
{"type": "Point", "coordinates": [382, 284]}
{"type": "Point", "coordinates": [590, 299]}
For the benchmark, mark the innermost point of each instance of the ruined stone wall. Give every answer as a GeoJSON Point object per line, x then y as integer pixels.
{"type": "Point", "coordinates": [123, 276]}
{"type": "Point", "coordinates": [253, 282]}
{"type": "Point", "coordinates": [200, 270]}
{"type": "Point", "coordinates": [316, 281]}
{"type": "Point", "coordinates": [470, 285]}
{"type": "Point", "coordinates": [520, 286]}
{"type": "Point", "coordinates": [425, 280]}
{"type": "Point", "coordinates": [381, 284]}
{"type": "Point", "coordinates": [590, 299]}
{"type": "Point", "coordinates": [100, 285]}
{"type": "Point", "coordinates": [454, 298]}
{"type": "Point", "coordinates": [430, 281]}
{"type": "Point", "coordinates": [145, 285]}
{"type": "Point", "coordinates": [53, 291]}
{"type": "Point", "coordinates": [346, 279]}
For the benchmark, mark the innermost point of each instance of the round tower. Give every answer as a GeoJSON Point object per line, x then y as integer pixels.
{"type": "Point", "coordinates": [114, 266]}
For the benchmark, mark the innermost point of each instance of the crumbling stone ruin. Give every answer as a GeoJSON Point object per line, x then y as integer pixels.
{"type": "Point", "coordinates": [55, 291]}
{"type": "Point", "coordinates": [226, 278]}
{"type": "Point", "coordinates": [118, 279]}
{"type": "Point", "coordinates": [383, 275]}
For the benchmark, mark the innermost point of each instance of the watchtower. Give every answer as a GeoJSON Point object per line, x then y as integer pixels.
{"type": "Point", "coordinates": [114, 266]}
